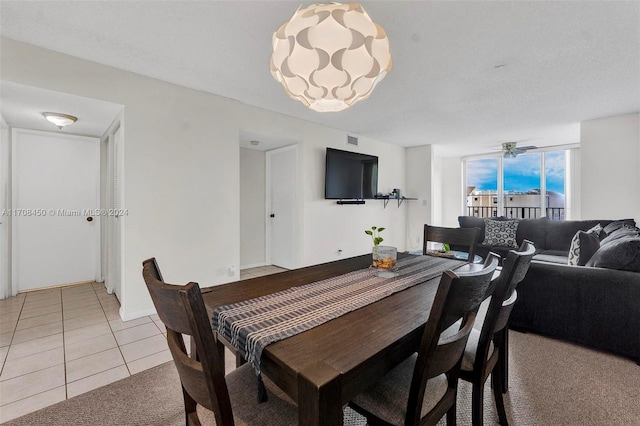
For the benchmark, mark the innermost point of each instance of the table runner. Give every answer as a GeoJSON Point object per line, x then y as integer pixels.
{"type": "Point", "coordinates": [252, 324]}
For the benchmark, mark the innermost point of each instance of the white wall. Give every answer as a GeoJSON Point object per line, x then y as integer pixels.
{"type": "Point", "coordinates": [420, 185]}
{"type": "Point", "coordinates": [610, 168]}
{"type": "Point", "coordinates": [252, 208]}
{"type": "Point", "coordinates": [329, 227]}
{"type": "Point", "coordinates": [448, 191]}
{"type": "Point", "coordinates": [181, 173]}
{"type": "Point", "coordinates": [5, 203]}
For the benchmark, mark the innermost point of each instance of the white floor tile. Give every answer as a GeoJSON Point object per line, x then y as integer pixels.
{"type": "Point", "coordinates": [9, 317]}
{"type": "Point", "coordinates": [84, 321]}
{"type": "Point", "coordinates": [95, 381]}
{"type": "Point", "coordinates": [86, 333]}
{"type": "Point", "coordinates": [89, 347]}
{"type": "Point", "coordinates": [149, 361]}
{"type": "Point", "coordinates": [132, 334]}
{"type": "Point", "coordinates": [145, 347]}
{"type": "Point", "coordinates": [3, 355]}
{"type": "Point", "coordinates": [31, 384]}
{"type": "Point", "coordinates": [28, 364]}
{"type": "Point", "coordinates": [117, 325]}
{"type": "Point", "coordinates": [32, 403]}
{"type": "Point", "coordinates": [35, 346]}
{"type": "Point", "coordinates": [37, 332]}
{"type": "Point", "coordinates": [92, 364]}
{"type": "Point", "coordinates": [28, 305]}
{"type": "Point", "coordinates": [8, 327]}
{"type": "Point", "coordinates": [25, 323]}
{"type": "Point", "coordinates": [5, 339]}
{"type": "Point", "coordinates": [43, 310]}
{"type": "Point", "coordinates": [78, 312]}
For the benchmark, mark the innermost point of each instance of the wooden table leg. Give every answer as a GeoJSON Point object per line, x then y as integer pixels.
{"type": "Point", "coordinates": [319, 395]}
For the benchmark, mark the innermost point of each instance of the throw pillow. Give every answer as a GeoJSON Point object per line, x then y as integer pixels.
{"type": "Point", "coordinates": [500, 233]}
{"type": "Point", "coordinates": [584, 245]}
{"type": "Point", "coordinates": [622, 254]}
{"type": "Point", "coordinates": [623, 231]}
{"type": "Point", "coordinates": [617, 224]}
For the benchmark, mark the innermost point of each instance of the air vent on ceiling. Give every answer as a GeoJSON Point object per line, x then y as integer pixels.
{"type": "Point", "coordinates": [352, 140]}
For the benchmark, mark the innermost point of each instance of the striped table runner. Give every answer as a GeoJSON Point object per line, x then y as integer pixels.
{"type": "Point", "coordinates": [253, 324]}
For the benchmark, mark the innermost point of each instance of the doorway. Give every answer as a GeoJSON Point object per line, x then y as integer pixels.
{"type": "Point", "coordinates": [55, 201]}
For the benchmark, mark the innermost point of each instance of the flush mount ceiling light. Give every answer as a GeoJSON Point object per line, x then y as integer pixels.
{"type": "Point", "coordinates": [58, 119]}
{"type": "Point", "coordinates": [330, 56]}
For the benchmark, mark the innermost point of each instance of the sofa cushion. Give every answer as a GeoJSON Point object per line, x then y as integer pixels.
{"type": "Point", "coordinates": [473, 222]}
{"type": "Point", "coordinates": [500, 233]}
{"type": "Point", "coordinates": [584, 245]}
{"type": "Point", "coordinates": [622, 254]}
{"type": "Point", "coordinates": [617, 224]}
{"type": "Point", "coordinates": [551, 258]}
{"type": "Point", "coordinates": [560, 232]}
{"type": "Point", "coordinates": [534, 230]}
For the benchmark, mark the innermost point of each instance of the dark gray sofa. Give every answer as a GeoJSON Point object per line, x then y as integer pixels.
{"type": "Point", "coordinates": [592, 306]}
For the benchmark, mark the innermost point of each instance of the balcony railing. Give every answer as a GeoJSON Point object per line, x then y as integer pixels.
{"type": "Point", "coordinates": [553, 213]}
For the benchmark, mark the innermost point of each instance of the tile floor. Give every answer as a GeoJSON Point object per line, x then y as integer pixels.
{"type": "Point", "coordinates": [260, 271]}
{"type": "Point", "coordinates": [58, 343]}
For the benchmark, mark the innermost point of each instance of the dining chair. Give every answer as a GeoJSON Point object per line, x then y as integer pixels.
{"type": "Point", "coordinates": [487, 351]}
{"type": "Point", "coordinates": [210, 398]}
{"type": "Point", "coordinates": [423, 388]}
{"type": "Point", "coordinates": [465, 238]}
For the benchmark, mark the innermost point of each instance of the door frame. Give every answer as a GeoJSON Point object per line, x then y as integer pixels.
{"type": "Point", "coordinates": [268, 206]}
{"type": "Point", "coordinates": [15, 132]}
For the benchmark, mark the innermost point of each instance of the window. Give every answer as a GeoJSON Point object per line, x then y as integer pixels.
{"type": "Point", "coordinates": [482, 187]}
{"type": "Point", "coordinates": [528, 186]}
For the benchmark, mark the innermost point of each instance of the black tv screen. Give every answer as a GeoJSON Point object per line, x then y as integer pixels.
{"type": "Point", "coordinates": [350, 175]}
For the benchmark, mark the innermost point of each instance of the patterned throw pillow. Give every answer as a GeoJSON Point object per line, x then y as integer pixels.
{"type": "Point", "coordinates": [500, 233]}
{"type": "Point", "coordinates": [578, 255]}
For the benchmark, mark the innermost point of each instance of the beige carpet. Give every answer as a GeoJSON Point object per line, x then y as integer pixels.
{"type": "Point", "coordinates": [551, 383]}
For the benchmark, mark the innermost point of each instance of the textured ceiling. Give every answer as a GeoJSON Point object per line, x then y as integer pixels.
{"type": "Point", "coordinates": [466, 75]}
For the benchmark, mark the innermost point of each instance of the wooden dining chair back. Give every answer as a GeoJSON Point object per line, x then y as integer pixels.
{"type": "Point", "coordinates": [463, 238]}
{"type": "Point", "coordinates": [487, 352]}
{"type": "Point", "coordinates": [182, 311]}
{"type": "Point", "coordinates": [409, 385]}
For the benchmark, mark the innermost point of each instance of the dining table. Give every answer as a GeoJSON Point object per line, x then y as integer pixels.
{"type": "Point", "coordinates": [324, 367]}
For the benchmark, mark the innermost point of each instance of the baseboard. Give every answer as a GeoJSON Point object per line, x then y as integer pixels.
{"type": "Point", "coordinates": [253, 265]}
{"type": "Point", "coordinates": [135, 315]}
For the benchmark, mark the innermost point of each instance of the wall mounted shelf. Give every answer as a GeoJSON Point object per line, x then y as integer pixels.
{"type": "Point", "coordinates": [386, 200]}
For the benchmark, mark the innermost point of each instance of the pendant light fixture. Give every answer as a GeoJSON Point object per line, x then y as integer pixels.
{"type": "Point", "coordinates": [330, 56]}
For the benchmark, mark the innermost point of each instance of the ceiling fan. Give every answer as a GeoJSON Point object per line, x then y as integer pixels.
{"type": "Point", "coordinates": [511, 149]}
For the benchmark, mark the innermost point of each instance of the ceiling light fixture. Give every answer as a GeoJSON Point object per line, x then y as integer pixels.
{"type": "Point", "coordinates": [60, 120]}
{"type": "Point", "coordinates": [330, 56]}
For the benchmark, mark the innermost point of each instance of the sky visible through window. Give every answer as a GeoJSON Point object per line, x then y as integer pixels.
{"type": "Point", "coordinates": [521, 174]}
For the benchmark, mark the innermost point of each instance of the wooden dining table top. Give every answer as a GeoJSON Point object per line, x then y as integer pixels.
{"type": "Point", "coordinates": [326, 366]}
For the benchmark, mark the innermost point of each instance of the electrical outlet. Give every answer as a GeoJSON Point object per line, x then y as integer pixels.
{"type": "Point", "coordinates": [231, 271]}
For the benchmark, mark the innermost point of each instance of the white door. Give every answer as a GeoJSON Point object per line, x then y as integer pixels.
{"type": "Point", "coordinates": [282, 189]}
{"type": "Point", "coordinates": [56, 229]}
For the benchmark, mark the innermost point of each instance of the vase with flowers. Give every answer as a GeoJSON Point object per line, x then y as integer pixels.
{"type": "Point", "coordinates": [384, 257]}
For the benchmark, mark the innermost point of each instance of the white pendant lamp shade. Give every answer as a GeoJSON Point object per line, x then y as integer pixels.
{"type": "Point", "coordinates": [330, 56]}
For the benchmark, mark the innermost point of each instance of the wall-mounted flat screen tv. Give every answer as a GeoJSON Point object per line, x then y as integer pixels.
{"type": "Point", "coordinates": [350, 175]}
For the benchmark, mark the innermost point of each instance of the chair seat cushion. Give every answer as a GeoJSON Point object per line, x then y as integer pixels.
{"type": "Point", "coordinates": [243, 390]}
{"type": "Point", "coordinates": [387, 399]}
